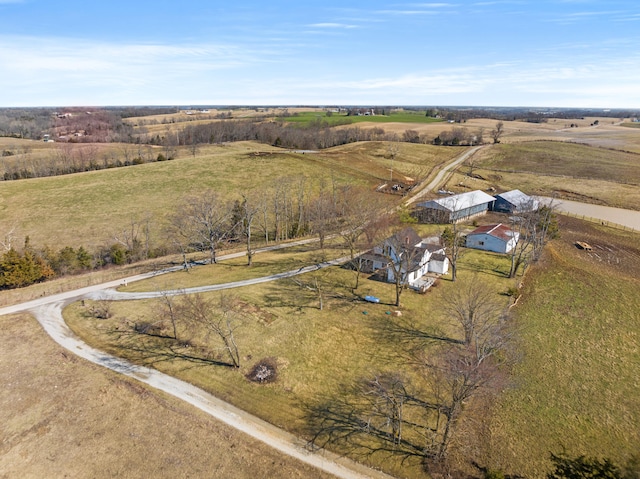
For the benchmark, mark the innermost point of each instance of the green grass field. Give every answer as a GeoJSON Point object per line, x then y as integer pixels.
{"type": "Point", "coordinates": [305, 118]}
{"type": "Point", "coordinates": [318, 352]}
{"type": "Point", "coordinates": [576, 387]}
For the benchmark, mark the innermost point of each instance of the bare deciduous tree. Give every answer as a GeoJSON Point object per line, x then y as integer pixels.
{"type": "Point", "coordinates": [360, 212]}
{"type": "Point", "coordinates": [205, 220]}
{"type": "Point", "coordinates": [168, 309]}
{"type": "Point", "coordinates": [249, 208]}
{"type": "Point", "coordinates": [387, 395]}
{"type": "Point", "coordinates": [452, 240]}
{"type": "Point", "coordinates": [9, 239]}
{"type": "Point", "coordinates": [323, 215]}
{"type": "Point", "coordinates": [497, 132]}
{"type": "Point", "coordinates": [218, 321]}
{"type": "Point", "coordinates": [315, 285]}
{"type": "Point", "coordinates": [534, 227]}
{"type": "Point", "coordinates": [401, 254]}
{"type": "Point", "coordinates": [475, 309]}
{"type": "Point", "coordinates": [136, 238]}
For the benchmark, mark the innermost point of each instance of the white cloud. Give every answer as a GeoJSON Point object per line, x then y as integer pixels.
{"type": "Point", "coordinates": [407, 12]}
{"type": "Point", "coordinates": [332, 25]}
{"type": "Point", "coordinates": [44, 60]}
{"type": "Point", "coordinates": [56, 71]}
{"type": "Point", "coordinates": [432, 5]}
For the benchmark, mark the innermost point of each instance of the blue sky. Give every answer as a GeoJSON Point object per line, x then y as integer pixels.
{"type": "Point", "coordinates": [563, 53]}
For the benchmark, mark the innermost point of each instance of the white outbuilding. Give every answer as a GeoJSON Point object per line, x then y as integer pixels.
{"type": "Point", "coordinates": [452, 209]}
{"type": "Point", "coordinates": [497, 238]}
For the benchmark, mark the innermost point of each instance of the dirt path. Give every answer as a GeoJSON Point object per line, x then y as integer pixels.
{"type": "Point", "coordinates": [446, 170]}
{"type": "Point", "coordinates": [77, 294]}
{"type": "Point", "coordinates": [50, 317]}
{"type": "Point", "coordinates": [48, 312]}
{"type": "Point", "coordinates": [113, 295]}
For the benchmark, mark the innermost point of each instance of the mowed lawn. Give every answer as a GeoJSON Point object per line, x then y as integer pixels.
{"type": "Point", "coordinates": [320, 353]}
{"type": "Point", "coordinates": [576, 388]}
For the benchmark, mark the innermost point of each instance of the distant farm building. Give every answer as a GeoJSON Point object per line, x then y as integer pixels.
{"type": "Point", "coordinates": [497, 238]}
{"type": "Point", "coordinates": [515, 201]}
{"type": "Point", "coordinates": [452, 209]}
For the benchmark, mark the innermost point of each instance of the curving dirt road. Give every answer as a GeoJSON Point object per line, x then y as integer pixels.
{"type": "Point", "coordinates": [48, 312]}
{"type": "Point", "coordinates": [50, 317]}
{"type": "Point", "coordinates": [446, 170]}
{"type": "Point", "coordinates": [112, 294]}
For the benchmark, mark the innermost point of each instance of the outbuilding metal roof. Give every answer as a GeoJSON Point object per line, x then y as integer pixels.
{"type": "Point", "coordinates": [459, 202]}
{"type": "Point", "coordinates": [517, 198]}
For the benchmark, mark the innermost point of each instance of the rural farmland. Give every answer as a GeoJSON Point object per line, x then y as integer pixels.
{"type": "Point", "coordinates": [277, 291]}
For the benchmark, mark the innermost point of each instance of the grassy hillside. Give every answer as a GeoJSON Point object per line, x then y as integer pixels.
{"type": "Point", "coordinates": [566, 159]}
{"type": "Point", "coordinates": [89, 208]}
{"type": "Point", "coordinates": [569, 170]}
{"type": "Point", "coordinates": [577, 385]}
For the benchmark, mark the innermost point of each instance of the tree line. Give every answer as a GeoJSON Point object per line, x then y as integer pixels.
{"type": "Point", "coordinates": [292, 207]}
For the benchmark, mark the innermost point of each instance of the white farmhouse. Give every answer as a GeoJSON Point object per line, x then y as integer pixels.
{"type": "Point", "coordinates": [411, 256]}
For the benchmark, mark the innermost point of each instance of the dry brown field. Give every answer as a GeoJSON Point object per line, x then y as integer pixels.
{"type": "Point", "coordinates": [91, 208]}
{"type": "Point", "coordinates": [609, 133]}
{"type": "Point", "coordinates": [64, 417]}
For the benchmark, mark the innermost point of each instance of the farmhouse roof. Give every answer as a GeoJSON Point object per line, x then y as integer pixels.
{"type": "Point", "coordinates": [432, 248]}
{"type": "Point", "coordinates": [515, 197]}
{"type": "Point", "coordinates": [438, 257]}
{"type": "Point", "coordinates": [499, 231]}
{"type": "Point", "coordinates": [459, 202]}
{"type": "Point", "coordinates": [407, 236]}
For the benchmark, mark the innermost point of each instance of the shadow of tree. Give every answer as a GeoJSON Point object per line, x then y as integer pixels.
{"type": "Point", "coordinates": [407, 338]}
{"type": "Point", "coordinates": [351, 419]}
{"type": "Point", "coordinates": [152, 349]}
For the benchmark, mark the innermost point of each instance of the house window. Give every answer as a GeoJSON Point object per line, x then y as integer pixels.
{"type": "Point", "coordinates": [481, 243]}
